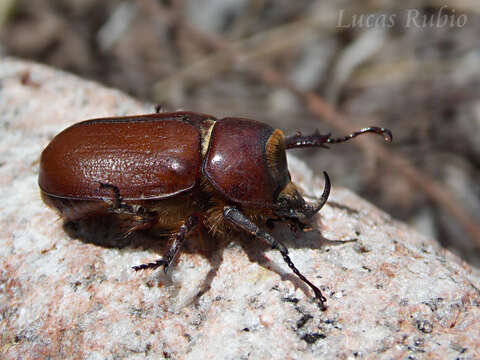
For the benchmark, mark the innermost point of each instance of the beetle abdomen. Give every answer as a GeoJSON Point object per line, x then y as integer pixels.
{"type": "Point", "coordinates": [142, 156]}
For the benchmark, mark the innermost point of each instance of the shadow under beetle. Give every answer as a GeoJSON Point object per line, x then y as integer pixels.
{"type": "Point", "coordinates": [181, 171]}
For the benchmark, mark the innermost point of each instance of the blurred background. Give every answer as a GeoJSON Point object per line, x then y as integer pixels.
{"type": "Point", "coordinates": [335, 65]}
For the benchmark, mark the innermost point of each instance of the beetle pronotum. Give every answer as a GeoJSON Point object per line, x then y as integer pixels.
{"type": "Point", "coordinates": [181, 171]}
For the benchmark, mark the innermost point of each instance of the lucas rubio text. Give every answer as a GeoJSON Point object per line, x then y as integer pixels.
{"type": "Point", "coordinates": [444, 17]}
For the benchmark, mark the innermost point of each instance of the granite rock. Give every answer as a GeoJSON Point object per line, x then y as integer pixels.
{"type": "Point", "coordinates": [391, 292]}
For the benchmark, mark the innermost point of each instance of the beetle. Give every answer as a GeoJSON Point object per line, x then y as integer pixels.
{"type": "Point", "coordinates": [179, 172]}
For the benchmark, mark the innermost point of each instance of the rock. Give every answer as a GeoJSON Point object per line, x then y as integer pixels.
{"type": "Point", "coordinates": [391, 292]}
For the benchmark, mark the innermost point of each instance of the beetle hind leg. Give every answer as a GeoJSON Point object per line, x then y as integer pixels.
{"type": "Point", "coordinates": [154, 265]}
{"type": "Point", "coordinates": [139, 219]}
{"type": "Point", "coordinates": [118, 205]}
{"type": "Point", "coordinates": [190, 224]}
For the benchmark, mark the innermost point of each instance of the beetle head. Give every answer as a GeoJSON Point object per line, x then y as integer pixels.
{"type": "Point", "coordinates": [291, 204]}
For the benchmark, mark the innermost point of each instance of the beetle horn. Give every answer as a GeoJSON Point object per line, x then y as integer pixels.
{"type": "Point", "coordinates": [311, 210]}
{"type": "Point", "coordinates": [318, 140]}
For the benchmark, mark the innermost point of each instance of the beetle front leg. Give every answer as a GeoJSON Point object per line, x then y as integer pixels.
{"type": "Point", "coordinates": [237, 218]}
{"type": "Point", "coordinates": [318, 140]}
{"type": "Point", "coordinates": [178, 239]}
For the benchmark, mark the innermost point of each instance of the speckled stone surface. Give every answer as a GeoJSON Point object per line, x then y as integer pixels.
{"type": "Point", "coordinates": [391, 293]}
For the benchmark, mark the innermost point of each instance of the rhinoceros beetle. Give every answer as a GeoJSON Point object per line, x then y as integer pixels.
{"type": "Point", "coordinates": [180, 171]}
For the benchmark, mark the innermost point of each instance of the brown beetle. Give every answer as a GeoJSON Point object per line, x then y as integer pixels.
{"type": "Point", "coordinates": [178, 171]}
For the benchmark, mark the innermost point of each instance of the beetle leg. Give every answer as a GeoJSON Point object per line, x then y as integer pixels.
{"type": "Point", "coordinates": [118, 203]}
{"type": "Point", "coordinates": [141, 220]}
{"type": "Point", "coordinates": [235, 217]}
{"type": "Point", "coordinates": [318, 140]}
{"type": "Point", "coordinates": [190, 224]}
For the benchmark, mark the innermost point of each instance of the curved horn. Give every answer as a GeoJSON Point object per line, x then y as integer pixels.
{"type": "Point", "coordinates": [311, 210]}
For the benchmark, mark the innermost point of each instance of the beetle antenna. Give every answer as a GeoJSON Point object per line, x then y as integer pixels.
{"type": "Point", "coordinates": [318, 140]}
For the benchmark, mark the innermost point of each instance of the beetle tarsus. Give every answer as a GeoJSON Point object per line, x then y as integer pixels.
{"type": "Point", "coordinates": [318, 140]}
{"type": "Point", "coordinates": [318, 294]}
{"type": "Point", "coordinates": [117, 203]}
{"type": "Point", "coordinates": [151, 266]}
{"type": "Point", "coordinates": [179, 237]}
{"type": "Point", "coordinates": [141, 219]}
{"type": "Point", "coordinates": [237, 218]}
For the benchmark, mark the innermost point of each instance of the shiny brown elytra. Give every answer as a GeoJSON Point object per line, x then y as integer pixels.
{"type": "Point", "coordinates": [181, 171]}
